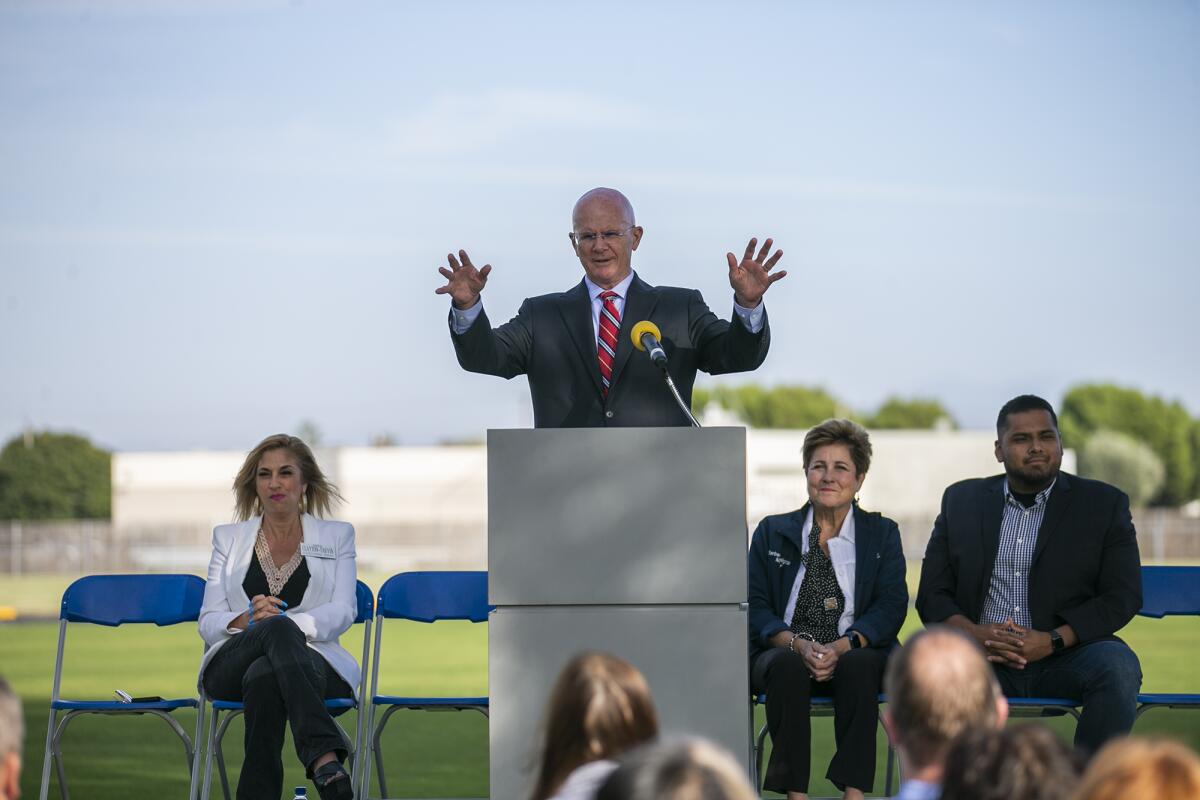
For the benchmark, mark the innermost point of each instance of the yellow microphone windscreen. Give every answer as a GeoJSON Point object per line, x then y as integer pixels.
{"type": "Point", "coordinates": [645, 326]}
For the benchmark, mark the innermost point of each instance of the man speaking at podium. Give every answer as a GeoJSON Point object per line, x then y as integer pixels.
{"type": "Point", "coordinates": [575, 347]}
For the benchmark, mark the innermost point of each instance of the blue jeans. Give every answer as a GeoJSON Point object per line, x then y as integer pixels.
{"type": "Point", "coordinates": [1104, 676]}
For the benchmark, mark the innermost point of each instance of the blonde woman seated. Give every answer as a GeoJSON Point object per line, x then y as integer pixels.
{"type": "Point", "coordinates": [281, 589]}
{"type": "Point", "coordinates": [599, 708]}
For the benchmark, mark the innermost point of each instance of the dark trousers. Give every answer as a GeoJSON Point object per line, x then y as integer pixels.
{"type": "Point", "coordinates": [1104, 676]}
{"type": "Point", "coordinates": [855, 691]}
{"type": "Point", "coordinates": [271, 670]}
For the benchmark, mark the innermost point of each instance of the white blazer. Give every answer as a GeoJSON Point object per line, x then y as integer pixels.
{"type": "Point", "coordinates": [327, 609]}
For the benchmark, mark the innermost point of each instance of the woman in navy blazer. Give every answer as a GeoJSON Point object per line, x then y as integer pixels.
{"type": "Point", "coordinates": [280, 591]}
{"type": "Point", "coordinates": [827, 599]}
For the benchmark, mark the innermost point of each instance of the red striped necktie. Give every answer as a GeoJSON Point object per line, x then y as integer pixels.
{"type": "Point", "coordinates": [606, 345]}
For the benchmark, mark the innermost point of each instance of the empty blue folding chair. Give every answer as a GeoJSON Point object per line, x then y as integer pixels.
{"type": "Point", "coordinates": [114, 600]}
{"type": "Point", "coordinates": [421, 597]}
{"type": "Point", "coordinates": [225, 711]}
{"type": "Point", "coordinates": [1173, 591]}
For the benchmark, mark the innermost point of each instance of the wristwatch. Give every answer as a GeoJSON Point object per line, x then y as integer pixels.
{"type": "Point", "coordinates": [1056, 641]}
{"type": "Point", "coordinates": [855, 641]}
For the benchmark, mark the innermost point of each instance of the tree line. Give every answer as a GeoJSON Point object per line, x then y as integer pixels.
{"type": "Point", "coordinates": [1147, 446]}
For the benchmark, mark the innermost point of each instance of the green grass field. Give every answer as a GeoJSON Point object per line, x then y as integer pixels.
{"type": "Point", "coordinates": [426, 754]}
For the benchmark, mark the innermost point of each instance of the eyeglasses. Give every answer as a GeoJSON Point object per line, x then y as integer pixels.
{"type": "Point", "coordinates": [604, 236]}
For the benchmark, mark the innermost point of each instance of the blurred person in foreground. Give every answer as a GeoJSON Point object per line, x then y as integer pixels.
{"type": "Point", "coordinates": [599, 708]}
{"type": "Point", "coordinates": [12, 739]}
{"type": "Point", "coordinates": [280, 591]}
{"type": "Point", "coordinates": [1141, 768]}
{"type": "Point", "coordinates": [1041, 568]}
{"type": "Point", "coordinates": [1024, 762]}
{"type": "Point", "coordinates": [687, 769]}
{"type": "Point", "coordinates": [575, 346]}
{"type": "Point", "coordinates": [938, 685]}
{"type": "Point", "coordinates": [827, 598]}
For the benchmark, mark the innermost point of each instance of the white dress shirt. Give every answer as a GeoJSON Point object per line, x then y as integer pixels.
{"type": "Point", "coordinates": [842, 554]}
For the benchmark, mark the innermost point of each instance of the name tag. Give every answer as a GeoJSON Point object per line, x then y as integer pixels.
{"type": "Point", "coordinates": [317, 550]}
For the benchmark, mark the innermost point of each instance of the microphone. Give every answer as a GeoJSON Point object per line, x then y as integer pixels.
{"type": "Point", "coordinates": [646, 336]}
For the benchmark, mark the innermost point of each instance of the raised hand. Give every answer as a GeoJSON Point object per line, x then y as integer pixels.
{"type": "Point", "coordinates": [463, 281]}
{"type": "Point", "coordinates": [752, 277]}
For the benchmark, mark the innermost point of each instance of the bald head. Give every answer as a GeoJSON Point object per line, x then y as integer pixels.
{"type": "Point", "coordinates": [938, 685]}
{"type": "Point", "coordinates": [604, 236]}
{"type": "Point", "coordinates": [608, 199]}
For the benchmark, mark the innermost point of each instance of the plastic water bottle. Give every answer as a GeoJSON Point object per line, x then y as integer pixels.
{"type": "Point", "coordinates": [301, 793]}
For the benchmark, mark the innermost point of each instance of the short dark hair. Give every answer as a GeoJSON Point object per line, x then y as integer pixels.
{"type": "Point", "coordinates": [1024, 762]}
{"type": "Point", "coordinates": [840, 431]}
{"type": "Point", "coordinates": [1024, 402]}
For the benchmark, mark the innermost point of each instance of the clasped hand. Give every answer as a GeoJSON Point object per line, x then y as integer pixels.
{"type": "Point", "coordinates": [1010, 644]}
{"type": "Point", "coordinates": [820, 659]}
{"type": "Point", "coordinates": [262, 606]}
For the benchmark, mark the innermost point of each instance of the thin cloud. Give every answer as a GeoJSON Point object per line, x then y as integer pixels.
{"type": "Point", "coordinates": [458, 124]}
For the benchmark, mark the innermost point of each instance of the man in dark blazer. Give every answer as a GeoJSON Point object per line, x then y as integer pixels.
{"type": "Point", "coordinates": [1041, 568]}
{"type": "Point", "coordinates": [575, 346]}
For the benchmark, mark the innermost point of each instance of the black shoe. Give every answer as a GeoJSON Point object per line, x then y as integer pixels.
{"type": "Point", "coordinates": [333, 782]}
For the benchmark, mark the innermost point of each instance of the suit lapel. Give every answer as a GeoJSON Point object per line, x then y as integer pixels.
{"type": "Point", "coordinates": [866, 553]}
{"type": "Point", "coordinates": [990, 520]}
{"type": "Point", "coordinates": [1056, 508]}
{"type": "Point", "coordinates": [576, 310]}
{"type": "Point", "coordinates": [317, 567]}
{"type": "Point", "coordinates": [787, 575]}
{"type": "Point", "coordinates": [639, 303]}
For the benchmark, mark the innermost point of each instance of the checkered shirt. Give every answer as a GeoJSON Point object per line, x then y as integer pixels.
{"type": "Point", "coordinates": [1008, 592]}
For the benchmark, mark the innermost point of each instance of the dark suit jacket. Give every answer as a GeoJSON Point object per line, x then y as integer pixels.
{"type": "Point", "coordinates": [552, 342]}
{"type": "Point", "coordinates": [1086, 571]}
{"type": "Point", "coordinates": [880, 593]}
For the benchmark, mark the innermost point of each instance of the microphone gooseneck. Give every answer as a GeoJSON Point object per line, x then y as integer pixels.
{"type": "Point", "coordinates": [648, 338]}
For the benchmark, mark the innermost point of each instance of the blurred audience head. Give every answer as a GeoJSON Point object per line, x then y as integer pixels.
{"type": "Point", "coordinates": [1026, 762]}
{"type": "Point", "coordinates": [12, 736]}
{"type": "Point", "coordinates": [599, 708]}
{"type": "Point", "coordinates": [687, 769]}
{"type": "Point", "coordinates": [1138, 767]}
{"type": "Point", "coordinates": [938, 685]}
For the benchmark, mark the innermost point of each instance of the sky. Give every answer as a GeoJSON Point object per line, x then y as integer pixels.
{"type": "Point", "coordinates": [220, 220]}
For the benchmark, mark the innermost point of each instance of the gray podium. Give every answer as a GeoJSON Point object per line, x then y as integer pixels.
{"type": "Point", "coordinates": [627, 540]}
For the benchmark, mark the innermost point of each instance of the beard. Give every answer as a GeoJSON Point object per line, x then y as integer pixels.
{"type": "Point", "coordinates": [1034, 474]}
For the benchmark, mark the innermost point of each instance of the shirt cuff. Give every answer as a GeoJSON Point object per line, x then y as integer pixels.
{"type": "Point", "coordinates": [752, 318]}
{"type": "Point", "coordinates": [462, 319]}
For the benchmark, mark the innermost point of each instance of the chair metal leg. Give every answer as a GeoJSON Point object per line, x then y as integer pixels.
{"type": "Point", "coordinates": [220, 752]}
{"type": "Point", "coordinates": [759, 744]}
{"type": "Point", "coordinates": [210, 737]}
{"type": "Point", "coordinates": [891, 763]}
{"type": "Point", "coordinates": [44, 792]}
{"type": "Point", "coordinates": [197, 751]}
{"type": "Point", "coordinates": [379, 751]}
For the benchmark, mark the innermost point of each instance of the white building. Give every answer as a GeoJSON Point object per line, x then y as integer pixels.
{"type": "Point", "coordinates": [426, 507]}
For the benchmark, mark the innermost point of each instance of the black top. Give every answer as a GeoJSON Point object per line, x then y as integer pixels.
{"type": "Point", "coordinates": [292, 592]}
{"type": "Point", "coordinates": [820, 602]}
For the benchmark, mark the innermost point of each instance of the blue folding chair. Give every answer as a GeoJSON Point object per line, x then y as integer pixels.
{"type": "Point", "coordinates": [421, 597]}
{"type": "Point", "coordinates": [818, 707]}
{"type": "Point", "coordinates": [225, 711]}
{"type": "Point", "coordinates": [1173, 591]}
{"type": "Point", "coordinates": [114, 600]}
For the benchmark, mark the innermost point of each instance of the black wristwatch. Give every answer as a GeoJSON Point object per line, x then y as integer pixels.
{"type": "Point", "coordinates": [1056, 641]}
{"type": "Point", "coordinates": [855, 641]}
